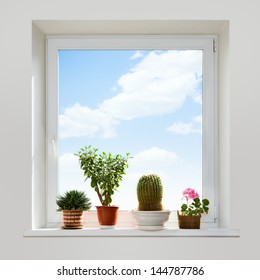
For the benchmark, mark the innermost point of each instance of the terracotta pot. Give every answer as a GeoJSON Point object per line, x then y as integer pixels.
{"type": "Point", "coordinates": [73, 219]}
{"type": "Point", "coordinates": [188, 222]}
{"type": "Point", "coordinates": [107, 215]}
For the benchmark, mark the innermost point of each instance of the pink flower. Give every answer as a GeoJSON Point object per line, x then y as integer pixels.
{"type": "Point", "coordinates": [190, 193]}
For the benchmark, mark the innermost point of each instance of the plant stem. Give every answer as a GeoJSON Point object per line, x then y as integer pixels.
{"type": "Point", "coordinates": [99, 196]}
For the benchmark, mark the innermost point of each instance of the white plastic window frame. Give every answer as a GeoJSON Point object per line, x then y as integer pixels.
{"type": "Point", "coordinates": [206, 43]}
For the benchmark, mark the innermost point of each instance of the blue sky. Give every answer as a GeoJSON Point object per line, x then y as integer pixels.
{"type": "Point", "coordinates": [148, 103]}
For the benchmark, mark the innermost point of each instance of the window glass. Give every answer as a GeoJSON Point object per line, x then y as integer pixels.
{"type": "Point", "coordinates": [145, 102]}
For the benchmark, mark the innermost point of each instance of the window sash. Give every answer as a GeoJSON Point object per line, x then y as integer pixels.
{"type": "Point", "coordinates": [148, 42]}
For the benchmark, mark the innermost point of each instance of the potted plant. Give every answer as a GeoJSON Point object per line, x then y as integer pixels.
{"type": "Point", "coordinates": [105, 172]}
{"type": "Point", "coordinates": [72, 204]}
{"type": "Point", "coordinates": [150, 214]}
{"type": "Point", "coordinates": [189, 217]}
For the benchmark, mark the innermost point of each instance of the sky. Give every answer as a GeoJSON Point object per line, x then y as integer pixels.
{"type": "Point", "coordinates": [147, 103]}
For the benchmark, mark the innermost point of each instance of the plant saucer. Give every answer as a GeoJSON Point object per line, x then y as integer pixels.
{"type": "Point", "coordinates": [74, 227]}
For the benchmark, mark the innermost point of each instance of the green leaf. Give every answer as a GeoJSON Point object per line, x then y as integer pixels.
{"type": "Point", "coordinates": [205, 202]}
{"type": "Point", "coordinates": [73, 200]}
{"type": "Point", "coordinates": [93, 183]}
{"type": "Point", "coordinates": [184, 207]}
{"type": "Point", "coordinates": [103, 169]}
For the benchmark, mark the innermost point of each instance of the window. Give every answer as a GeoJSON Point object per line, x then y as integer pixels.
{"type": "Point", "coordinates": [155, 94]}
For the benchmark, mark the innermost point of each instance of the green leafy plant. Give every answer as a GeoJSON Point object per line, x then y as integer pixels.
{"type": "Point", "coordinates": [194, 206]}
{"type": "Point", "coordinates": [149, 193]}
{"type": "Point", "coordinates": [73, 200]}
{"type": "Point", "coordinates": [104, 170]}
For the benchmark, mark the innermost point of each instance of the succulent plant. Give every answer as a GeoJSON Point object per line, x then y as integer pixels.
{"type": "Point", "coordinates": [73, 200]}
{"type": "Point", "coordinates": [149, 193]}
{"type": "Point", "coordinates": [104, 170]}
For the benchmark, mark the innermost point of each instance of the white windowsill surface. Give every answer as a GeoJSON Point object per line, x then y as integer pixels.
{"type": "Point", "coordinates": [131, 232]}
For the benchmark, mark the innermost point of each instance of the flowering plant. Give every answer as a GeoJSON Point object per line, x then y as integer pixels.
{"type": "Point", "coordinates": [193, 205]}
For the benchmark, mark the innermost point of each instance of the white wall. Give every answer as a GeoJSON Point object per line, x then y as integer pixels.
{"type": "Point", "coordinates": [38, 127]}
{"type": "Point", "coordinates": [239, 128]}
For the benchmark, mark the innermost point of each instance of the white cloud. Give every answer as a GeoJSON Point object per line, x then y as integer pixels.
{"type": "Point", "coordinates": [197, 97]}
{"type": "Point", "coordinates": [180, 128]}
{"type": "Point", "coordinates": [136, 55]}
{"type": "Point", "coordinates": [198, 119]}
{"type": "Point", "coordinates": [71, 176]}
{"type": "Point", "coordinates": [158, 84]}
{"type": "Point", "coordinates": [153, 158]}
{"type": "Point", "coordinates": [79, 121]}
{"type": "Point", "coordinates": [187, 128]}
{"type": "Point", "coordinates": [69, 162]}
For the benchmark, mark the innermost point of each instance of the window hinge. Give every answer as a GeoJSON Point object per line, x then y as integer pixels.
{"type": "Point", "coordinates": [214, 46]}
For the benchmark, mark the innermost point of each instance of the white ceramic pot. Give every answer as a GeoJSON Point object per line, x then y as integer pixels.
{"type": "Point", "coordinates": [150, 220]}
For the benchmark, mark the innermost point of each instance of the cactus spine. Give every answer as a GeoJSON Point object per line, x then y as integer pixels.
{"type": "Point", "coordinates": [149, 193]}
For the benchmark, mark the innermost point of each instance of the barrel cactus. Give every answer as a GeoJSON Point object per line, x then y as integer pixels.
{"type": "Point", "coordinates": [149, 193]}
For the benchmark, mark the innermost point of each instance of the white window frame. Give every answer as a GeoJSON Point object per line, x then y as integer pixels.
{"type": "Point", "coordinates": [206, 43]}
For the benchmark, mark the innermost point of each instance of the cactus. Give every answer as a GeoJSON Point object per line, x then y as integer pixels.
{"type": "Point", "coordinates": [149, 193]}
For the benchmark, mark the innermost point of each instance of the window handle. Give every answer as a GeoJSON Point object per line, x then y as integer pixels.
{"type": "Point", "coordinates": [53, 145]}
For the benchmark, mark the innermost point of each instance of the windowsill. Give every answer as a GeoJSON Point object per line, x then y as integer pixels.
{"type": "Point", "coordinates": [131, 232]}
